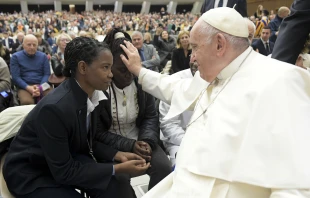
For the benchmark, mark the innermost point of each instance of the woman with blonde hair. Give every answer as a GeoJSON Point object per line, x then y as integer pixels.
{"type": "Point", "coordinates": [259, 12]}
{"type": "Point", "coordinates": [181, 55]}
{"type": "Point", "coordinates": [57, 60]}
{"type": "Point", "coordinates": [148, 38]}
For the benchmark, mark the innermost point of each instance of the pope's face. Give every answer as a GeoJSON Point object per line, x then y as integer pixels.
{"type": "Point", "coordinates": [202, 52]}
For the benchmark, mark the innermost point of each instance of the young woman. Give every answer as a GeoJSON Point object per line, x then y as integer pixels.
{"type": "Point", "coordinates": [182, 54]}
{"type": "Point", "coordinates": [56, 149]}
{"type": "Point", "coordinates": [131, 113]}
{"type": "Point", "coordinates": [165, 45]}
{"type": "Point", "coordinates": [259, 12]}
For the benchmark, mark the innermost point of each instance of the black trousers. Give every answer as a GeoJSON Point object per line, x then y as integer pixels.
{"type": "Point", "coordinates": [70, 192]}
{"type": "Point", "coordinates": [119, 187]}
{"type": "Point", "coordinates": [160, 166]}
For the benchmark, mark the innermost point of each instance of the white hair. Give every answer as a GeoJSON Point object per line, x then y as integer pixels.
{"type": "Point", "coordinates": [137, 33]}
{"type": "Point", "coordinates": [82, 33]}
{"type": "Point", "coordinates": [250, 23]}
{"type": "Point", "coordinates": [238, 43]}
{"type": "Point", "coordinates": [71, 33]}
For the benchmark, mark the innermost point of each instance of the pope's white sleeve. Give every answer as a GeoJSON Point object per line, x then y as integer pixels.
{"type": "Point", "coordinates": [158, 85]}
{"type": "Point", "coordinates": [290, 193]}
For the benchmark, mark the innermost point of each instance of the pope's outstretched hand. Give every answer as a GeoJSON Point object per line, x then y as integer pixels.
{"type": "Point", "coordinates": [133, 62]}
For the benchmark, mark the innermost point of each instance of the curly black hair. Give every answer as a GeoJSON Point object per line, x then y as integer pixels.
{"type": "Point", "coordinates": [81, 49]}
{"type": "Point", "coordinates": [114, 44]}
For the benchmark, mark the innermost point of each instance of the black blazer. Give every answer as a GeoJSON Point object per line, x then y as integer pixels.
{"type": "Point", "coordinates": [147, 122]}
{"type": "Point", "coordinates": [261, 47]}
{"type": "Point", "coordinates": [241, 6]}
{"type": "Point", "coordinates": [179, 62]}
{"type": "Point", "coordinates": [57, 66]}
{"type": "Point", "coordinates": [52, 135]}
{"type": "Point", "coordinates": [295, 26]}
{"type": "Point", "coordinates": [11, 42]}
{"type": "Point", "coordinates": [15, 46]}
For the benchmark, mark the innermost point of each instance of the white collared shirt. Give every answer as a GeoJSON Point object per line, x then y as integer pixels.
{"type": "Point", "coordinates": [216, 3]}
{"type": "Point", "coordinates": [94, 100]}
{"type": "Point", "coordinates": [264, 42]}
{"type": "Point", "coordinates": [124, 116]}
{"type": "Point", "coordinates": [92, 103]}
{"type": "Point", "coordinates": [7, 42]}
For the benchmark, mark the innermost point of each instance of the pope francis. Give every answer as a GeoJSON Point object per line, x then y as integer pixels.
{"type": "Point", "coordinates": [249, 136]}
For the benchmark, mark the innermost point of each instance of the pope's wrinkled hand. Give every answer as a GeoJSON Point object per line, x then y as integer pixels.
{"type": "Point", "coordinates": [133, 62]}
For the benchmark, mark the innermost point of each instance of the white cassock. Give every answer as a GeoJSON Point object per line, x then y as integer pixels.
{"type": "Point", "coordinates": [172, 130]}
{"type": "Point", "coordinates": [254, 139]}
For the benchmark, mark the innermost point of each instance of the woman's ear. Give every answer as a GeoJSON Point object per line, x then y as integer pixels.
{"type": "Point", "coordinates": [82, 67]}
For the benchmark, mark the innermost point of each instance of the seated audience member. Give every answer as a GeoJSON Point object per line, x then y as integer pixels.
{"type": "Point", "coordinates": [147, 38]}
{"type": "Point", "coordinates": [263, 45]}
{"type": "Point", "coordinates": [83, 33]}
{"type": "Point", "coordinates": [19, 41]}
{"type": "Point", "coordinates": [72, 34]}
{"type": "Point", "coordinates": [43, 45]}
{"type": "Point", "coordinates": [182, 54]}
{"type": "Point", "coordinates": [148, 54]}
{"type": "Point", "coordinates": [130, 112]}
{"type": "Point", "coordinates": [100, 35]}
{"type": "Point", "coordinates": [30, 69]}
{"type": "Point", "coordinates": [57, 59]}
{"type": "Point", "coordinates": [173, 129]}
{"type": "Point", "coordinates": [7, 41]}
{"type": "Point", "coordinates": [51, 39]}
{"type": "Point", "coordinates": [165, 45]}
{"type": "Point", "coordinates": [4, 53]}
{"type": "Point", "coordinates": [6, 97]}
{"type": "Point", "coordinates": [56, 150]}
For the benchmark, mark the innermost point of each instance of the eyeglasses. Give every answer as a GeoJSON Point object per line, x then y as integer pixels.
{"type": "Point", "coordinates": [65, 40]}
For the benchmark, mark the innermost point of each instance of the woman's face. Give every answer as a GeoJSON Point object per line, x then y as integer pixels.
{"type": "Point", "coordinates": [147, 37]}
{"type": "Point", "coordinates": [63, 42]}
{"type": "Point", "coordinates": [98, 73]}
{"type": "Point", "coordinates": [121, 75]}
{"type": "Point", "coordinates": [184, 40]}
{"type": "Point", "coordinates": [164, 35]}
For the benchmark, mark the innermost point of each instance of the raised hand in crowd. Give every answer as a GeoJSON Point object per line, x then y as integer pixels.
{"type": "Point", "coordinates": [158, 30]}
